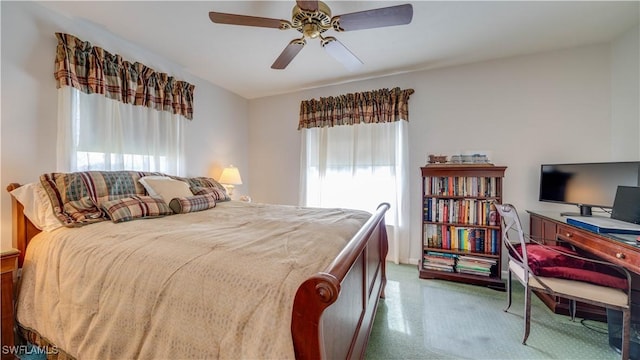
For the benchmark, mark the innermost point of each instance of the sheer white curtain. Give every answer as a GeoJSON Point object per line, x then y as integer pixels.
{"type": "Point", "coordinates": [98, 133]}
{"type": "Point", "coordinates": [360, 166]}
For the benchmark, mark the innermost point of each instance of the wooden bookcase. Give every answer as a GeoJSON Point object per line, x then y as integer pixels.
{"type": "Point", "coordinates": [461, 238]}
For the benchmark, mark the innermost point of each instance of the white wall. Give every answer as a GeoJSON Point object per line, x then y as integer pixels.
{"type": "Point", "coordinates": [217, 136]}
{"type": "Point", "coordinates": [524, 111]}
{"type": "Point", "coordinates": [625, 92]}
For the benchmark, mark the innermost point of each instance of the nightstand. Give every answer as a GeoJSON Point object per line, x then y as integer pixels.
{"type": "Point", "coordinates": [9, 265]}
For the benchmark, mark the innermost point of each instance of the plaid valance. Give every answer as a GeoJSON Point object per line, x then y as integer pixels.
{"type": "Point", "coordinates": [93, 70]}
{"type": "Point", "coordinates": [378, 106]}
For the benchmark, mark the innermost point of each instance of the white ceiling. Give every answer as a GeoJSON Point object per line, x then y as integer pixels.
{"type": "Point", "coordinates": [442, 33]}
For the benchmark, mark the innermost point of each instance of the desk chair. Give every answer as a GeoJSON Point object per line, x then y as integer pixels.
{"type": "Point", "coordinates": [526, 255]}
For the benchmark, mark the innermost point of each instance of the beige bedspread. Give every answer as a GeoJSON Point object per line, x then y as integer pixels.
{"type": "Point", "coordinates": [215, 283]}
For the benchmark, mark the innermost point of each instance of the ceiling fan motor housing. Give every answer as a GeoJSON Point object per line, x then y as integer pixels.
{"type": "Point", "coordinates": [311, 23]}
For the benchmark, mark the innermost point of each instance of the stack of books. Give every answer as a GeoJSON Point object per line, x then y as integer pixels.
{"type": "Point", "coordinates": [438, 261]}
{"type": "Point", "coordinates": [475, 265]}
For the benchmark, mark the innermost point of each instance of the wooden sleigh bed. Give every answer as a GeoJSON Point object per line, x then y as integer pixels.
{"type": "Point", "coordinates": [333, 309]}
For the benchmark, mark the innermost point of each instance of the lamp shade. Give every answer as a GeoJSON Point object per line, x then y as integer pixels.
{"type": "Point", "coordinates": [230, 176]}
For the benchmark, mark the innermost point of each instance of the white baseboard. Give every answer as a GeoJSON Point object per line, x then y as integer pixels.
{"type": "Point", "coordinates": [405, 262]}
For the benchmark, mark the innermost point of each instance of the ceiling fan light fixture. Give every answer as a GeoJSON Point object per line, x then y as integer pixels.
{"type": "Point", "coordinates": [310, 30]}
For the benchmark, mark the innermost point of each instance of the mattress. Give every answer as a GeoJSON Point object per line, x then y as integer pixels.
{"type": "Point", "coordinates": [218, 283]}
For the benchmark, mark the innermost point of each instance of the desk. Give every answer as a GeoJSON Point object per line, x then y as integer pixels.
{"type": "Point", "coordinates": [551, 227]}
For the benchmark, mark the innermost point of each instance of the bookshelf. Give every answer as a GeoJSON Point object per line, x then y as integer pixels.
{"type": "Point", "coordinates": [460, 231]}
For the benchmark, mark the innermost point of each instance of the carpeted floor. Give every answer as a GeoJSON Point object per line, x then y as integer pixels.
{"type": "Point", "coordinates": [436, 319]}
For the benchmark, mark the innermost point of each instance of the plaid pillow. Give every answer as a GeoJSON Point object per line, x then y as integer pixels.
{"type": "Point", "coordinates": [135, 207]}
{"type": "Point", "coordinates": [205, 182]}
{"type": "Point", "coordinates": [218, 194]}
{"type": "Point", "coordinates": [183, 205]}
{"type": "Point", "coordinates": [76, 198]}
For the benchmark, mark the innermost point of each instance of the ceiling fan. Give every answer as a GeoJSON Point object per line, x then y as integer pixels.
{"type": "Point", "coordinates": [313, 18]}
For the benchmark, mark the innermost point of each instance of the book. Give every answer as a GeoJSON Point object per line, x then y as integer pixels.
{"type": "Point", "coordinates": [493, 215]}
{"type": "Point", "coordinates": [477, 259]}
{"type": "Point", "coordinates": [442, 254]}
{"type": "Point", "coordinates": [444, 269]}
{"type": "Point", "coordinates": [443, 260]}
{"type": "Point", "coordinates": [474, 272]}
{"type": "Point", "coordinates": [604, 225]}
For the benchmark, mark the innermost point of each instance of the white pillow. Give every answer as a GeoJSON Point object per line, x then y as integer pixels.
{"type": "Point", "coordinates": [165, 187]}
{"type": "Point", "coordinates": [37, 207]}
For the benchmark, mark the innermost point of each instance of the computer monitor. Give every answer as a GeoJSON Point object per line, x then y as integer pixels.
{"type": "Point", "coordinates": [586, 184]}
{"type": "Point", "coordinates": [626, 206]}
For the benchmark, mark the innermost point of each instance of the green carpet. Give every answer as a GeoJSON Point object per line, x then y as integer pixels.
{"type": "Point", "coordinates": [436, 319]}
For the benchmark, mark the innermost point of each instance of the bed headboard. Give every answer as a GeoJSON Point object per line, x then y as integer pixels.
{"type": "Point", "coordinates": [21, 228]}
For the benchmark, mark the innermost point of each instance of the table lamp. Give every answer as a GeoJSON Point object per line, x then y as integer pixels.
{"type": "Point", "coordinates": [230, 177]}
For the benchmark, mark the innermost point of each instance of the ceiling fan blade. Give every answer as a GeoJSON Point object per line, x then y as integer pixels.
{"type": "Point", "coordinates": [368, 19]}
{"type": "Point", "coordinates": [308, 5]}
{"type": "Point", "coordinates": [340, 52]}
{"type": "Point", "coordinates": [288, 54]}
{"type": "Point", "coordinates": [233, 19]}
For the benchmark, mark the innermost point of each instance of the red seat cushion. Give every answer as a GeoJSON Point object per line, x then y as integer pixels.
{"type": "Point", "coordinates": [545, 262]}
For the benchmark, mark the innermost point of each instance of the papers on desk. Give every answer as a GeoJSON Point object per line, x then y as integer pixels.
{"type": "Point", "coordinates": [604, 225]}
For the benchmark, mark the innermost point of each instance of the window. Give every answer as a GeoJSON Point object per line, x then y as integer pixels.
{"type": "Point", "coordinates": [353, 166]}
{"type": "Point", "coordinates": [114, 114]}
{"type": "Point", "coordinates": [104, 134]}
{"type": "Point", "coordinates": [355, 155]}
{"type": "Point", "coordinates": [358, 167]}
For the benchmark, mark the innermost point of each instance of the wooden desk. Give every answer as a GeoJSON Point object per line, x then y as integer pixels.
{"type": "Point", "coordinates": [551, 226]}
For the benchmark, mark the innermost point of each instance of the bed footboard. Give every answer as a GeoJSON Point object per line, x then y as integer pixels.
{"type": "Point", "coordinates": [333, 310]}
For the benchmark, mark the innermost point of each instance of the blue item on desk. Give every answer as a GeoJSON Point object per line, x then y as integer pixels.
{"type": "Point", "coordinates": [602, 225]}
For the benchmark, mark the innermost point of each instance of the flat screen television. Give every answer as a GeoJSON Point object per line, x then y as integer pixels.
{"type": "Point", "coordinates": [586, 185]}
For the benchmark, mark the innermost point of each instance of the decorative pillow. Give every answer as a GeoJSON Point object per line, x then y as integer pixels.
{"type": "Point", "coordinates": [549, 255]}
{"type": "Point", "coordinates": [135, 207]}
{"type": "Point", "coordinates": [147, 180]}
{"type": "Point", "coordinates": [37, 207]}
{"type": "Point", "coordinates": [205, 182]}
{"type": "Point", "coordinates": [594, 277]}
{"type": "Point", "coordinates": [217, 194]}
{"type": "Point", "coordinates": [192, 203]}
{"type": "Point", "coordinates": [76, 198]}
{"type": "Point", "coordinates": [165, 187]}
{"type": "Point", "coordinates": [545, 262]}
